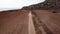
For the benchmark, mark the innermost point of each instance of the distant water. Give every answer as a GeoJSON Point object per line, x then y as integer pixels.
{"type": "Point", "coordinates": [16, 4]}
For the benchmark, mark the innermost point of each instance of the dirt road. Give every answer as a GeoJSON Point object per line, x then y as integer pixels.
{"type": "Point", "coordinates": [45, 22]}
{"type": "Point", "coordinates": [31, 27]}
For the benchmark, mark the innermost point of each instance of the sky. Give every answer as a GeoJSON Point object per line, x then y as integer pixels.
{"type": "Point", "coordinates": [16, 4]}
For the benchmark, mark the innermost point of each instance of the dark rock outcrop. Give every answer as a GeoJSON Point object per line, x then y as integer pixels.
{"type": "Point", "coordinates": [48, 4]}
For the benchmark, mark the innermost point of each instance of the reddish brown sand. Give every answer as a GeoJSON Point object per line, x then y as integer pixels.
{"type": "Point", "coordinates": [14, 22]}
{"type": "Point", "coordinates": [45, 22]}
{"type": "Point", "coordinates": [50, 22]}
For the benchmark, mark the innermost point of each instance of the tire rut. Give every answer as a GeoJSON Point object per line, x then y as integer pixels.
{"type": "Point", "coordinates": [40, 27]}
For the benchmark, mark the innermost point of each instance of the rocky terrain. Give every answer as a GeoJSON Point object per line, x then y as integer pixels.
{"type": "Point", "coordinates": [48, 4]}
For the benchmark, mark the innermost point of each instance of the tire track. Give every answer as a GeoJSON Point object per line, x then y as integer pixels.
{"type": "Point", "coordinates": [40, 27]}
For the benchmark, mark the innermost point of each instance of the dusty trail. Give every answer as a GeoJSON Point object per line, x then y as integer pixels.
{"type": "Point", "coordinates": [30, 22]}
{"type": "Point", "coordinates": [31, 25]}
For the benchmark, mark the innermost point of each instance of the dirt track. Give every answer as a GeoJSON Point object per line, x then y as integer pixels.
{"type": "Point", "coordinates": [45, 22]}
